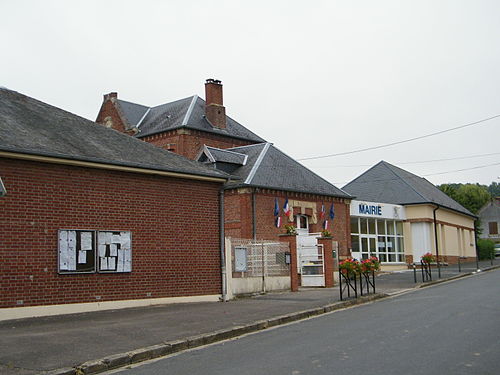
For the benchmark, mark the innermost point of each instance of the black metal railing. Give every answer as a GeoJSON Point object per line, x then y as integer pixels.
{"type": "Point", "coordinates": [348, 281]}
{"type": "Point", "coordinates": [368, 279]}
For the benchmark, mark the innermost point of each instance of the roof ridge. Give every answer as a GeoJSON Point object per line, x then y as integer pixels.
{"type": "Point", "coordinates": [257, 164]}
{"type": "Point", "coordinates": [143, 117]}
{"type": "Point", "coordinates": [190, 110]}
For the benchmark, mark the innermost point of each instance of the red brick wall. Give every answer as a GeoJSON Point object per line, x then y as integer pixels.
{"type": "Point", "coordinates": [238, 215]}
{"type": "Point", "coordinates": [108, 110]}
{"type": "Point", "coordinates": [174, 225]}
{"type": "Point", "coordinates": [190, 142]}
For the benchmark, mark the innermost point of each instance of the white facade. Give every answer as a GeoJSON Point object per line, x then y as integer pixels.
{"type": "Point", "coordinates": [377, 230]}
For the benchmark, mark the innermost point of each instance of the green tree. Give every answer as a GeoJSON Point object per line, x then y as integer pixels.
{"type": "Point", "coordinates": [494, 189]}
{"type": "Point", "coordinates": [472, 196]}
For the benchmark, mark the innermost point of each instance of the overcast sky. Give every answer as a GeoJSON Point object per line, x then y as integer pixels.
{"type": "Point", "coordinates": [313, 77]}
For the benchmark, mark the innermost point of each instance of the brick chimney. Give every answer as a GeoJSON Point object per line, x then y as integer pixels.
{"type": "Point", "coordinates": [215, 111]}
{"type": "Point", "coordinates": [111, 95]}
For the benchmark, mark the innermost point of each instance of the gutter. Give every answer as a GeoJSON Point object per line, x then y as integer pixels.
{"type": "Point", "coordinates": [222, 246]}
{"type": "Point", "coordinates": [436, 239]}
{"type": "Point", "coordinates": [107, 166]}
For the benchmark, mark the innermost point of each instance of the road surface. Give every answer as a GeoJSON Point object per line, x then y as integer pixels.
{"type": "Point", "coordinates": [451, 328]}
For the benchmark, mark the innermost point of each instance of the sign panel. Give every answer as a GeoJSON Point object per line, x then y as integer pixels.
{"type": "Point", "coordinates": [377, 210]}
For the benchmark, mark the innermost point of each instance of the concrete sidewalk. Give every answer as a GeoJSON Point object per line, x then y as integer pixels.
{"type": "Point", "coordinates": [94, 342]}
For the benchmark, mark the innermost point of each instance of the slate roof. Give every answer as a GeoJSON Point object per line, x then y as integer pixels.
{"type": "Point", "coordinates": [268, 167]}
{"type": "Point", "coordinates": [32, 127]}
{"type": "Point", "coordinates": [188, 112]}
{"type": "Point", "coordinates": [386, 183]}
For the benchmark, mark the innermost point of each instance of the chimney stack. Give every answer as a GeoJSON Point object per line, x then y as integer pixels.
{"type": "Point", "coordinates": [215, 111]}
{"type": "Point", "coordinates": [111, 95]}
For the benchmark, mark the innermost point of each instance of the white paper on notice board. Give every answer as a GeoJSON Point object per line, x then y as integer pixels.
{"type": "Point", "coordinates": [86, 241]}
{"type": "Point", "coordinates": [113, 250]}
{"type": "Point", "coordinates": [71, 260]}
{"type": "Point", "coordinates": [127, 264]}
{"type": "Point", "coordinates": [82, 256]}
{"type": "Point", "coordinates": [71, 240]}
{"type": "Point", "coordinates": [104, 264]}
{"type": "Point", "coordinates": [121, 258]}
{"type": "Point", "coordinates": [102, 250]}
{"type": "Point", "coordinates": [125, 240]}
{"type": "Point", "coordinates": [111, 263]}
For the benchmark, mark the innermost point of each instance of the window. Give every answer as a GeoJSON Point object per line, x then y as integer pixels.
{"type": "Point", "coordinates": [493, 227]}
{"type": "Point", "coordinates": [378, 237]}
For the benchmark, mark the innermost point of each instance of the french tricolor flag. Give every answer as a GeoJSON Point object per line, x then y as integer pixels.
{"type": "Point", "coordinates": [277, 217]}
{"type": "Point", "coordinates": [286, 208]}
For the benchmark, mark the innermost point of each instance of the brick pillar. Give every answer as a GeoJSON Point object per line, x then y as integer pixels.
{"type": "Point", "coordinates": [294, 276]}
{"type": "Point", "coordinates": [327, 243]}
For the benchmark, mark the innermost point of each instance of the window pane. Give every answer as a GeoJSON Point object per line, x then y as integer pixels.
{"type": "Point", "coordinates": [381, 226]}
{"type": "Point", "coordinates": [371, 226]}
{"type": "Point", "coordinates": [391, 244]}
{"type": "Point", "coordinates": [364, 225]}
{"type": "Point", "coordinates": [382, 257]}
{"type": "Point", "coordinates": [401, 247]}
{"type": "Point", "coordinates": [399, 228]}
{"type": "Point", "coordinates": [355, 243]}
{"type": "Point", "coordinates": [373, 248]}
{"type": "Point", "coordinates": [392, 257]}
{"type": "Point", "coordinates": [390, 227]}
{"type": "Point", "coordinates": [381, 244]}
{"type": "Point", "coordinates": [364, 245]}
{"type": "Point", "coordinates": [354, 225]}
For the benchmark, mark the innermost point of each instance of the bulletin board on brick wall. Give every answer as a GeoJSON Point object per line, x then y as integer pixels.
{"type": "Point", "coordinates": [90, 251]}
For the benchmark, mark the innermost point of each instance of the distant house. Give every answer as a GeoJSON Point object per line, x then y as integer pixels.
{"type": "Point", "coordinates": [399, 216]}
{"type": "Point", "coordinates": [489, 216]}
{"type": "Point", "coordinates": [95, 219]}
{"type": "Point", "coordinates": [262, 175]}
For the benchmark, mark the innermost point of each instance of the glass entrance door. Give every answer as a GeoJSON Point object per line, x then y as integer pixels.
{"type": "Point", "coordinates": [368, 246]}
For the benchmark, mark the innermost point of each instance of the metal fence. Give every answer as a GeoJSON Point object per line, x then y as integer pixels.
{"type": "Point", "coordinates": [259, 258]}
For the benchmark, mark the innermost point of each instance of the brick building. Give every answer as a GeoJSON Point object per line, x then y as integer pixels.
{"type": "Point", "coordinates": [94, 219]}
{"type": "Point", "coordinates": [183, 126]}
{"type": "Point", "coordinates": [261, 174]}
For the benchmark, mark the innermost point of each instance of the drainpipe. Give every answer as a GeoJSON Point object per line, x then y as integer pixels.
{"type": "Point", "coordinates": [254, 215]}
{"type": "Point", "coordinates": [436, 238]}
{"type": "Point", "coordinates": [222, 245]}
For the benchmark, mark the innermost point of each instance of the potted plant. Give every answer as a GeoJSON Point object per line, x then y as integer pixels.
{"type": "Point", "coordinates": [349, 266]}
{"type": "Point", "coordinates": [326, 233]}
{"type": "Point", "coordinates": [290, 229]}
{"type": "Point", "coordinates": [370, 264]}
{"type": "Point", "coordinates": [428, 258]}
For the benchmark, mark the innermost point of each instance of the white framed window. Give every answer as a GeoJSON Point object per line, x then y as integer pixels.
{"type": "Point", "coordinates": [378, 237]}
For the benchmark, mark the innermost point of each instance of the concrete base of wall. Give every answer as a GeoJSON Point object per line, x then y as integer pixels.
{"type": "Point", "coordinates": [250, 285]}
{"type": "Point", "coordinates": [73, 308]}
{"type": "Point", "coordinates": [393, 267]}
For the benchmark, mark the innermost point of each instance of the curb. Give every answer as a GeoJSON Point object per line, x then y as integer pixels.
{"type": "Point", "coordinates": [171, 347]}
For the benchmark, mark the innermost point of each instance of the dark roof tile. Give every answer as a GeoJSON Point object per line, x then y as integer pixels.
{"type": "Point", "coordinates": [33, 127]}
{"type": "Point", "coordinates": [386, 183]}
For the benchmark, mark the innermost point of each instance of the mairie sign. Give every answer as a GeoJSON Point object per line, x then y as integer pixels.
{"type": "Point", "coordinates": [369, 209]}
{"type": "Point", "coordinates": [377, 210]}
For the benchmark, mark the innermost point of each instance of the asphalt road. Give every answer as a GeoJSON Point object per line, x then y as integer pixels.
{"type": "Point", "coordinates": [451, 328]}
